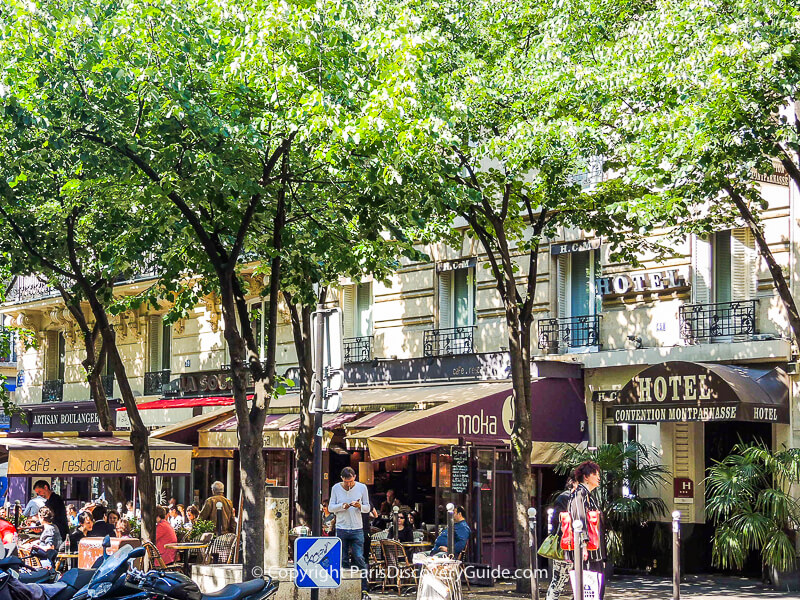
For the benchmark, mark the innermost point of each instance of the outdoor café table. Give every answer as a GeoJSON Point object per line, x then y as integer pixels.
{"type": "Point", "coordinates": [68, 557]}
{"type": "Point", "coordinates": [412, 548]}
{"type": "Point", "coordinates": [185, 547]}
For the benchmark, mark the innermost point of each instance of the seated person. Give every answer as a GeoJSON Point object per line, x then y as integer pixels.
{"type": "Point", "coordinates": [123, 528]}
{"type": "Point", "coordinates": [165, 534]}
{"type": "Point", "coordinates": [192, 515]}
{"type": "Point", "coordinates": [101, 527]}
{"type": "Point", "coordinates": [112, 517]}
{"type": "Point", "coordinates": [50, 538]}
{"type": "Point", "coordinates": [84, 529]}
{"type": "Point", "coordinates": [461, 533]}
{"type": "Point", "coordinates": [72, 515]}
{"type": "Point", "coordinates": [405, 532]}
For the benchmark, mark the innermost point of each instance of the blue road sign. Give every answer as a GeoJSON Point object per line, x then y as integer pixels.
{"type": "Point", "coordinates": [318, 562]}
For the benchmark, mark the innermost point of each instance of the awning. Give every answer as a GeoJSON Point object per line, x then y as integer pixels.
{"type": "Point", "coordinates": [185, 432]}
{"type": "Point", "coordinates": [280, 431]}
{"type": "Point", "coordinates": [482, 415]}
{"type": "Point", "coordinates": [96, 455]}
{"type": "Point", "coordinates": [186, 402]}
{"type": "Point", "coordinates": [678, 391]}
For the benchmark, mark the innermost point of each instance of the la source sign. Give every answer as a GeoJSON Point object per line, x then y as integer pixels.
{"type": "Point", "coordinates": [639, 283]}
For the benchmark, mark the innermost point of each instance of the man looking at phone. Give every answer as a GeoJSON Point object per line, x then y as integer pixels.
{"type": "Point", "coordinates": [349, 499]}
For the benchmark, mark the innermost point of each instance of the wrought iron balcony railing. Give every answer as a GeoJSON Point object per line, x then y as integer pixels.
{"type": "Point", "coordinates": [53, 390]}
{"type": "Point", "coordinates": [569, 332]}
{"type": "Point", "coordinates": [358, 349]}
{"type": "Point", "coordinates": [154, 382]}
{"type": "Point", "coordinates": [723, 319]}
{"type": "Point", "coordinates": [446, 342]}
{"type": "Point", "coordinates": [107, 381]}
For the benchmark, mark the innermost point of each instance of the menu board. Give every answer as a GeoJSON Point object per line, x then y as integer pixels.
{"type": "Point", "coordinates": [459, 477]}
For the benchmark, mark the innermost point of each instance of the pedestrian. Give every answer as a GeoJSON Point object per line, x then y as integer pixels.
{"type": "Point", "coordinates": [56, 504]}
{"type": "Point", "coordinates": [461, 533]}
{"type": "Point", "coordinates": [587, 477]}
{"type": "Point", "coordinates": [227, 522]}
{"type": "Point", "coordinates": [328, 520]}
{"type": "Point", "coordinates": [561, 568]}
{"type": "Point", "coordinates": [349, 500]}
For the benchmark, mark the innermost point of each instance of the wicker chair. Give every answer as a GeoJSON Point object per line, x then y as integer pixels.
{"type": "Point", "coordinates": [376, 567]}
{"type": "Point", "coordinates": [462, 556]}
{"type": "Point", "coordinates": [398, 572]}
{"type": "Point", "coordinates": [220, 551]}
{"type": "Point", "coordinates": [157, 561]}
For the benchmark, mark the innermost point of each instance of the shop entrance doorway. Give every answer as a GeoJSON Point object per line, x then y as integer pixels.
{"type": "Point", "coordinates": [720, 438]}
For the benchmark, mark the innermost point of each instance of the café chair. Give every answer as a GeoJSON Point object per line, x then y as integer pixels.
{"type": "Point", "coordinates": [399, 573]}
{"type": "Point", "coordinates": [157, 561]}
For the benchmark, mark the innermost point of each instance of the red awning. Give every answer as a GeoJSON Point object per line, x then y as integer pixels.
{"type": "Point", "coordinates": [187, 402]}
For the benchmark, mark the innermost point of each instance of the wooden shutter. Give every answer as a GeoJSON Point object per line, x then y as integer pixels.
{"type": "Point", "coordinates": [562, 268]}
{"type": "Point", "coordinates": [154, 342]}
{"type": "Point", "coordinates": [701, 270]}
{"type": "Point", "coordinates": [51, 358]}
{"type": "Point", "coordinates": [364, 309]}
{"type": "Point", "coordinates": [349, 310]}
{"type": "Point", "coordinates": [445, 300]}
{"type": "Point", "coordinates": [743, 265]}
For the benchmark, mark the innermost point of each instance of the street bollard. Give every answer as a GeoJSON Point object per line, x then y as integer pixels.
{"type": "Point", "coordinates": [17, 508]}
{"type": "Point", "coordinates": [395, 517]}
{"type": "Point", "coordinates": [676, 555]}
{"type": "Point", "coordinates": [577, 528]}
{"type": "Point", "coordinates": [219, 518]}
{"type": "Point", "coordinates": [534, 550]}
{"type": "Point", "coordinates": [451, 534]}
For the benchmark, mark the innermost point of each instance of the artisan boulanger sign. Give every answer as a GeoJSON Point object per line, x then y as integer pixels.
{"type": "Point", "coordinates": [686, 392]}
{"type": "Point", "coordinates": [640, 283]}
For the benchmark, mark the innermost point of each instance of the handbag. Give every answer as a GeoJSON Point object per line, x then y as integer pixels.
{"type": "Point", "coordinates": [551, 548]}
{"type": "Point", "coordinates": [592, 584]}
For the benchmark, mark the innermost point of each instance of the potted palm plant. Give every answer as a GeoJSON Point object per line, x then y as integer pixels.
{"type": "Point", "coordinates": [749, 499]}
{"type": "Point", "coordinates": [628, 470]}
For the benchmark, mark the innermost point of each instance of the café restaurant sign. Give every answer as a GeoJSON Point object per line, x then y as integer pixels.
{"type": "Point", "coordinates": [695, 392]}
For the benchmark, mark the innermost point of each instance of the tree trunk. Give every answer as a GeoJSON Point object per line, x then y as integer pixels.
{"type": "Point", "coordinates": [521, 444]}
{"type": "Point", "coordinates": [301, 330]}
{"type": "Point", "coordinates": [778, 278]}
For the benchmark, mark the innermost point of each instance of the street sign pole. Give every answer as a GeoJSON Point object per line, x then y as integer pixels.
{"type": "Point", "coordinates": [316, 489]}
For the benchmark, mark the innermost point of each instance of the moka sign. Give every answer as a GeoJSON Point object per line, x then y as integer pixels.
{"type": "Point", "coordinates": [691, 392]}
{"type": "Point", "coordinates": [654, 282]}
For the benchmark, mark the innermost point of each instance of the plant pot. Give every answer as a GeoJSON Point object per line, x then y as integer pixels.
{"type": "Point", "coordinates": [788, 581]}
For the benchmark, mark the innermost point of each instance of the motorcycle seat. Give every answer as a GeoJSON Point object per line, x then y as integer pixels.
{"type": "Point", "coordinates": [237, 591]}
{"type": "Point", "coordinates": [37, 576]}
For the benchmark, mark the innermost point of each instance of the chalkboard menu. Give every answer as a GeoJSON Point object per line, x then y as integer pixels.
{"type": "Point", "coordinates": [459, 475]}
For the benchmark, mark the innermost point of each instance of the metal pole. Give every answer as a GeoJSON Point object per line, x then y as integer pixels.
{"type": "Point", "coordinates": [316, 485]}
{"type": "Point", "coordinates": [534, 549]}
{"type": "Point", "coordinates": [676, 555]}
{"type": "Point", "coordinates": [451, 534]}
{"type": "Point", "coordinates": [16, 514]}
{"type": "Point", "coordinates": [219, 518]}
{"type": "Point", "coordinates": [550, 512]}
{"type": "Point", "coordinates": [395, 518]}
{"type": "Point", "coordinates": [577, 528]}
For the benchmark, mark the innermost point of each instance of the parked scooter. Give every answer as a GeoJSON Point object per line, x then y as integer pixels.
{"type": "Point", "coordinates": [11, 562]}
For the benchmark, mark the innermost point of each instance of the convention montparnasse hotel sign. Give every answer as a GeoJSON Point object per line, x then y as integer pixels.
{"type": "Point", "coordinates": [697, 392]}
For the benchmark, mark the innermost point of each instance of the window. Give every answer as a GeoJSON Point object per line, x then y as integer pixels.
{"type": "Point", "coordinates": [8, 347]}
{"type": "Point", "coordinates": [457, 298]}
{"type": "Point", "coordinates": [160, 342]}
{"type": "Point", "coordinates": [357, 310]}
{"type": "Point", "coordinates": [577, 273]}
{"type": "Point", "coordinates": [259, 323]}
{"type": "Point", "coordinates": [56, 356]}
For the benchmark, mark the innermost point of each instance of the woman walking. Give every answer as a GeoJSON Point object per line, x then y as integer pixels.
{"type": "Point", "coordinates": [581, 502]}
{"type": "Point", "coordinates": [561, 568]}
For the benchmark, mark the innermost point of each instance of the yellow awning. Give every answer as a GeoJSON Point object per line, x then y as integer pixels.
{"type": "Point", "coordinates": [53, 456]}
{"type": "Point", "coordinates": [194, 422]}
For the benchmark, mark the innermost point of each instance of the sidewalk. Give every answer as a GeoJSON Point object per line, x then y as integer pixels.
{"type": "Point", "coordinates": [638, 588]}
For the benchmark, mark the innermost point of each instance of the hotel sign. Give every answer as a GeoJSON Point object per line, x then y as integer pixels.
{"type": "Point", "coordinates": [640, 283]}
{"type": "Point", "coordinates": [694, 392]}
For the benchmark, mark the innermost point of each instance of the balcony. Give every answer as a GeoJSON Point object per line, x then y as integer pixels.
{"type": "Point", "coordinates": [358, 349]}
{"type": "Point", "coordinates": [721, 320]}
{"type": "Point", "coordinates": [155, 381]}
{"type": "Point", "coordinates": [53, 390]}
{"type": "Point", "coordinates": [570, 332]}
{"type": "Point", "coordinates": [448, 342]}
{"type": "Point", "coordinates": [107, 381]}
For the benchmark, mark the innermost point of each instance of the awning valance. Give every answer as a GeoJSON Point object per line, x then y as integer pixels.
{"type": "Point", "coordinates": [55, 455]}
{"type": "Point", "coordinates": [678, 391]}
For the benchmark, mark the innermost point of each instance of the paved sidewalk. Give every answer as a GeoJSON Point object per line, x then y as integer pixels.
{"type": "Point", "coordinates": [639, 588]}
